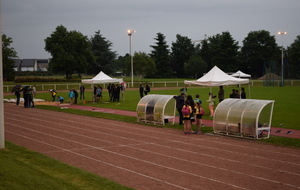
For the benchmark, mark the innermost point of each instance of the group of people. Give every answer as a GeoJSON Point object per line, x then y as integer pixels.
{"type": "Point", "coordinates": [144, 90]}
{"type": "Point", "coordinates": [195, 113]}
{"type": "Point", "coordinates": [190, 110]}
{"type": "Point", "coordinates": [114, 91]}
{"type": "Point", "coordinates": [28, 96]}
{"type": "Point", "coordinates": [72, 95]}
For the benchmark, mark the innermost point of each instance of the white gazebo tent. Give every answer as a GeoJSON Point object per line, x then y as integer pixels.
{"type": "Point", "coordinates": [240, 74]}
{"type": "Point", "coordinates": [102, 78]}
{"type": "Point", "coordinates": [216, 77]}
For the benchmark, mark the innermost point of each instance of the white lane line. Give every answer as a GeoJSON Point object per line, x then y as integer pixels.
{"type": "Point", "coordinates": [203, 164]}
{"type": "Point", "coordinates": [97, 160]}
{"type": "Point", "coordinates": [203, 154]}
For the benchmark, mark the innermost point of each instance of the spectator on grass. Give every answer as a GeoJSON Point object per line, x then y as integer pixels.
{"type": "Point", "coordinates": [211, 103]}
{"type": "Point", "coordinates": [243, 93]}
{"type": "Point", "coordinates": [18, 95]}
{"type": "Point", "coordinates": [82, 89]}
{"type": "Point", "coordinates": [232, 95]}
{"type": "Point", "coordinates": [183, 90]}
{"type": "Point", "coordinates": [71, 96]}
{"type": "Point", "coordinates": [75, 96]}
{"type": "Point", "coordinates": [221, 94]}
{"type": "Point", "coordinates": [141, 90]}
{"type": "Point", "coordinates": [34, 91]}
{"type": "Point", "coordinates": [179, 104]}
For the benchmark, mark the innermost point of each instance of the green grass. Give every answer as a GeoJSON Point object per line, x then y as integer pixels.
{"type": "Point", "coordinates": [23, 169]}
{"type": "Point", "coordinates": [286, 107]}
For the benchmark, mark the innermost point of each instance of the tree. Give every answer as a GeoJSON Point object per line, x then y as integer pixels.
{"type": "Point", "coordinates": [161, 56]}
{"type": "Point", "coordinates": [224, 51]}
{"type": "Point", "coordinates": [8, 53]}
{"type": "Point", "coordinates": [71, 52]}
{"type": "Point", "coordinates": [195, 66]}
{"type": "Point", "coordinates": [259, 47]}
{"type": "Point", "coordinates": [182, 50]}
{"type": "Point", "coordinates": [143, 65]}
{"type": "Point", "coordinates": [294, 58]}
{"type": "Point", "coordinates": [103, 53]}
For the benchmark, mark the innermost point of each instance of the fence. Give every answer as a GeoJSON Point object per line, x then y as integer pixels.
{"type": "Point", "coordinates": [45, 87]}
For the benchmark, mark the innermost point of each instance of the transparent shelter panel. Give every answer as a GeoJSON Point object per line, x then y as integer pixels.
{"type": "Point", "coordinates": [235, 115]}
{"type": "Point", "coordinates": [220, 117]}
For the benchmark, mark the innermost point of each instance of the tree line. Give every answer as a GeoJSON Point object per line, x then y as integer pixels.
{"type": "Point", "coordinates": [73, 53]}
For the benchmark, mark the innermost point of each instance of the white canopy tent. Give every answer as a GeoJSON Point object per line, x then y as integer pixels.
{"type": "Point", "coordinates": [102, 78]}
{"type": "Point", "coordinates": [217, 77]}
{"type": "Point", "coordinates": [240, 74]}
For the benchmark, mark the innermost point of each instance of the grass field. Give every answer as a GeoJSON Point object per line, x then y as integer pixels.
{"type": "Point", "coordinates": [23, 169]}
{"type": "Point", "coordinates": [286, 107]}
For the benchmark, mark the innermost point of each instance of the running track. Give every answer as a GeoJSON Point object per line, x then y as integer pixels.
{"type": "Point", "coordinates": [144, 157]}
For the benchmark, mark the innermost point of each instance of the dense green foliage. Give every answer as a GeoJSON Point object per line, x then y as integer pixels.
{"type": "Point", "coordinates": [161, 56]}
{"type": "Point", "coordinates": [259, 50]}
{"type": "Point", "coordinates": [104, 56]}
{"type": "Point", "coordinates": [294, 59]}
{"type": "Point", "coordinates": [70, 50]}
{"type": "Point", "coordinates": [8, 53]}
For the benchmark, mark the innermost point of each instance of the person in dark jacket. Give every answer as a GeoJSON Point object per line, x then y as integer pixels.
{"type": "Point", "coordinates": [147, 89]}
{"type": "Point", "coordinates": [18, 95]}
{"type": "Point", "coordinates": [82, 89]}
{"type": "Point", "coordinates": [141, 90]}
{"type": "Point", "coordinates": [75, 96]}
{"type": "Point", "coordinates": [179, 104]}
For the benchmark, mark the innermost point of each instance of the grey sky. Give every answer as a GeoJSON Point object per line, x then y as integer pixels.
{"type": "Point", "coordinates": [29, 22]}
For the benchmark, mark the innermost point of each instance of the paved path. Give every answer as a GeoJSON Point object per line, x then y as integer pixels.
{"type": "Point", "coordinates": [208, 123]}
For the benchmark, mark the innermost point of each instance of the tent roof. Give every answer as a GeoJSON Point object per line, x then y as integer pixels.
{"type": "Point", "coordinates": [216, 77]}
{"type": "Point", "coordinates": [102, 78]}
{"type": "Point", "coordinates": [240, 74]}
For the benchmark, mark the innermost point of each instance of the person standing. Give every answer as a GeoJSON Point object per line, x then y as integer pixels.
{"type": "Point", "coordinates": [183, 90]}
{"type": "Point", "coordinates": [179, 104]}
{"type": "Point", "coordinates": [109, 90]}
{"type": "Point", "coordinates": [187, 129]}
{"type": "Point", "coordinates": [82, 89]}
{"type": "Point", "coordinates": [34, 91]}
{"type": "Point", "coordinates": [95, 94]}
{"type": "Point", "coordinates": [18, 95]}
{"type": "Point", "coordinates": [147, 88]}
{"type": "Point", "coordinates": [141, 90]}
{"type": "Point", "coordinates": [75, 96]}
{"type": "Point", "coordinates": [197, 99]}
{"type": "Point", "coordinates": [211, 103]}
{"type": "Point", "coordinates": [221, 94]}
{"type": "Point", "coordinates": [232, 95]}
{"type": "Point", "coordinates": [99, 93]}
{"type": "Point", "coordinates": [199, 113]}
{"type": "Point", "coordinates": [71, 96]}
{"type": "Point", "coordinates": [243, 93]}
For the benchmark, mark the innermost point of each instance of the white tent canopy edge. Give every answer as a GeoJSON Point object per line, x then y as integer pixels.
{"type": "Point", "coordinates": [217, 77]}
{"type": "Point", "coordinates": [102, 78]}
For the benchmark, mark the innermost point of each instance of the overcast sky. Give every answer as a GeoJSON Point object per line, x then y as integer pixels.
{"type": "Point", "coordinates": [29, 22]}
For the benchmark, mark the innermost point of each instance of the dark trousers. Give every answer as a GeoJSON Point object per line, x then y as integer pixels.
{"type": "Point", "coordinates": [180, 116]}
{"type": "Point", "coordinates": [81, 95]}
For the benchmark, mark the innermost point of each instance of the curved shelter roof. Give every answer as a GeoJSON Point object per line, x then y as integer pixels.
{"type": "Point", "coordinates": [244, 117]}
{"type": "Point", "coordinates": [216, 77]}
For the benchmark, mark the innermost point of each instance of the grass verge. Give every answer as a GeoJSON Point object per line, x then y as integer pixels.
{"type": "Point", "coordinates": [23, 169]}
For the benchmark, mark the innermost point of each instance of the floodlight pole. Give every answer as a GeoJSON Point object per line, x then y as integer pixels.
{"type": "Point", "coordinates": [130, 32]}
{"type": "Point", "coordinates": [282, 81]}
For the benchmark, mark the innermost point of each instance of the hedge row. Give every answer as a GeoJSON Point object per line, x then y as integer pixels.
{"type": "Point", "coordinates": [41, 79]}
